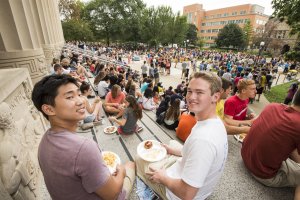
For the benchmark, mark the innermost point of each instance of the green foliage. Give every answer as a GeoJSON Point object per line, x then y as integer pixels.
{"type": "Point", "coordinates": [288, 11]}
{"type": "Point", "coordinates": [231, 36]}
{"type": "Point", "coordinates": [161, 26]}
{"type": "Point", "coordinates": [191, 34]}
{"type": "Point", "coordinates": [294, 55]}
{"type": "Point", "coordinates": [200, 42]}
{"type": "Point", "coordinates": [126, 21]}
{"type": "Point", "coordinates": [77, 30]}
{"type": "Point", "coordinates": [279, 92]}
{"type": "Point", "coordinates": [110, 18]}
{"type": "Point", "coordinates": [248, 32]}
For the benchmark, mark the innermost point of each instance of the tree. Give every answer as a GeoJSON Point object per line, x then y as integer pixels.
{"type": "Point", "coordinates": [266, 33]}
{"type": "Point", "coordinates": [248, 32]}
{"type": "Point", "coordinates": [77, 30]}
{"type": "Point", "coordinates": [288, 11]}
{"type": "Point", "coordinates": [109, 17]}
{"type": "Point", "coordinates": [70, 9]}
{"type": "Point", "coordinates": [200, 42]}
{"type": "Point", "coordinates": [231, 36]}
{"type": "Point", "coordinates": [191, 34]}
{"type": "Point", "coordinates": [177, 29]}
{"type": "Point", "coordinates": [294, 55]}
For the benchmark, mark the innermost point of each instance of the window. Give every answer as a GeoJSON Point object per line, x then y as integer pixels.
{"type": "Point", "coordinates": [202, 31]}
{"type": "Point", "coordinates": [234, 13]}
{"type": "Point", "coordinates": [243, 12]}
{"type": "Point", "coordinates": [225, 14]}
{"type": "Point", "coordinates": [203, 24]}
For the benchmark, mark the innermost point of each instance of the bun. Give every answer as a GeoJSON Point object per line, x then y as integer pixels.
{"type": "Point", "coordinates": [148, 145]}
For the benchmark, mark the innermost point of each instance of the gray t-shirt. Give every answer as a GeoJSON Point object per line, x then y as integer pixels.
{"type": "Point", "coordinates": [130, 125]}
{"type": "Point", "coordinates": [72, 166]}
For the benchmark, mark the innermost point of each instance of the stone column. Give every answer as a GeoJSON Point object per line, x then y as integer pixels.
{"type": "Point", "coordinates": [19, 43]}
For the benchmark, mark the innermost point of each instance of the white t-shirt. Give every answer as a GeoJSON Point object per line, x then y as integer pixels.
{"type": "Point", "coordinates": [102, 88]}
{"type": "Point", "coordinates": [203, 158]}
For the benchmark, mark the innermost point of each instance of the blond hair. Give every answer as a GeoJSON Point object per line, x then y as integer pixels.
{"type": "Point", "coordinates": [212, 78]}
{"type": "Point", "coordinates": [243, 84]}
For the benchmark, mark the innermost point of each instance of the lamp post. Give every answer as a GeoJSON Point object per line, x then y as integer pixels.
{"type": "Point", "coordinates": [186, 43]}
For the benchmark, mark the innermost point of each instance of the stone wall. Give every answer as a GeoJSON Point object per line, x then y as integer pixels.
{"type": "Point", "coordinates": [21, 128]}
{"type": "Point", "coordinates": [30, 37]}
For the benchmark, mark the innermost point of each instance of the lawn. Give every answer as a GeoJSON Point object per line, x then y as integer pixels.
{"type": "Point", "coordinates": [278, 93]}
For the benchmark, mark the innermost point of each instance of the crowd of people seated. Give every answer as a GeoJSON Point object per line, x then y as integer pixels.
{"type": "Point", "coordinates": [240, 77]}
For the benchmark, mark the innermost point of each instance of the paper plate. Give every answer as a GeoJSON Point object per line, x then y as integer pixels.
{"type": "Point", "coordinates": [154, 154]}
{"type": "Point", "coordinates": [111, 160]}
{"type": "Point", "coordinates": [110, 130]}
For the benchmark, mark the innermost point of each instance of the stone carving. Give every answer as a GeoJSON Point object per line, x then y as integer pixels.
{"type": "Point", "coordinates": [19, 170]}
{"type": "Point", "coordinates": [35, 64]}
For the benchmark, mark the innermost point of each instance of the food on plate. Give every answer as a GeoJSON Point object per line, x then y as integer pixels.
{"type": "Point", "coordinates": [148, 144]}
{"type": "Point", "coordinates": [110, 129]}
{"type": "Point", "coordinates": [109, 159]}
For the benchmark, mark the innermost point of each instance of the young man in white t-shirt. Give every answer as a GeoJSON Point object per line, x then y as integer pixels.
{"type": "Point", "coordinates": [192, 171]}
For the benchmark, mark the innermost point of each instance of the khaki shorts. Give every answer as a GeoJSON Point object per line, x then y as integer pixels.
{"type": "Point", "coordinates": [128, 181]}
{"type": "Point", "coordinates": [143, 168]}
{"type": "Point", "coordinates": [287, 176]}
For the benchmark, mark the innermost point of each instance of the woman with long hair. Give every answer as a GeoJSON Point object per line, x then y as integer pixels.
{"type": "Point", "coordinates": [172, 115]}
{"type": "Point", "coordinates": [147, 100]}
{"type": "Point", "coordinates": [132, 91]}
{"type": "Point", "coordinates": [117, 97]}
{"type": "Point", "coordinates": [93, 111]}
{"type": "Point", "coordinates": [133, 112]}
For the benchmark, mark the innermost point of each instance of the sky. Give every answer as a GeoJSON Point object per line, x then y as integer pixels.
{"type": "Point", "coordinates": [177, 5]}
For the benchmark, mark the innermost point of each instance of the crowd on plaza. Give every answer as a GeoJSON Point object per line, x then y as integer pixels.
{"type": "Point", "coordinates": [209, 103]}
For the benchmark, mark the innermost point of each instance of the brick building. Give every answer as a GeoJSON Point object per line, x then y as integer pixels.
{"type": "Point", "coordinates": [210, 22]}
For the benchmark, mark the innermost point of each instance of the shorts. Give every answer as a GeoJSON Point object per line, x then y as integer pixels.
{"type": "Point", "coordinates": [287, 176]}
{"type": "Point", "coordinates": [259, 90]}
{"type": "Point", "coordinates": [89, 118]}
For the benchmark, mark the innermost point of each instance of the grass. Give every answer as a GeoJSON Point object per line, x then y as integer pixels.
{"type": "Point", "coordinates": [278, 93]}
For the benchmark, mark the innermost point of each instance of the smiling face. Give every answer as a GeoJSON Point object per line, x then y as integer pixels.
{"type": "Point", "coordinates": [69, 105]}
{"type": "Point", "coordinates": [199, 98]}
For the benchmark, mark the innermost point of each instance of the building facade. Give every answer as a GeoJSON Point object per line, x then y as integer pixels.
{"type": "Point", "coordinates": [210, 22]}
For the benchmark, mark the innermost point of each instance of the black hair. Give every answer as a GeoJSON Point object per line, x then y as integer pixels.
{"type": "Point", "coordinates": [148, 93]}
{"type": "Point", "coordinates": [56, 67]}
{"type": "Point", "coordinates": [84, 86]}
{"type": "Point", "coordinates": [296, 99]}
{"type": "Point", "coordinates": [226, 84]}
{"type": "Point", "coordinates": [46, 90]}
{"type": "Point", "coordinates": [106, 78]}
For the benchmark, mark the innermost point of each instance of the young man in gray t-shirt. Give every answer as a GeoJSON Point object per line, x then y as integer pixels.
{"type": "Point", "coordinates": [73, 166]}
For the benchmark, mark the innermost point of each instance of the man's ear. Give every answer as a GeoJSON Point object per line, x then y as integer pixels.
{"type": "Point", "coordinates": [215, 97]}
{"type": "Point", "coordinates": [48, 110]}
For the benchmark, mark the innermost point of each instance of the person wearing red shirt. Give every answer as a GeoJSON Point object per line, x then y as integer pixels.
{"type": "Point", "coordinates": [271, 149]}
{"type": "Point", "coordinates": [236, 106]}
